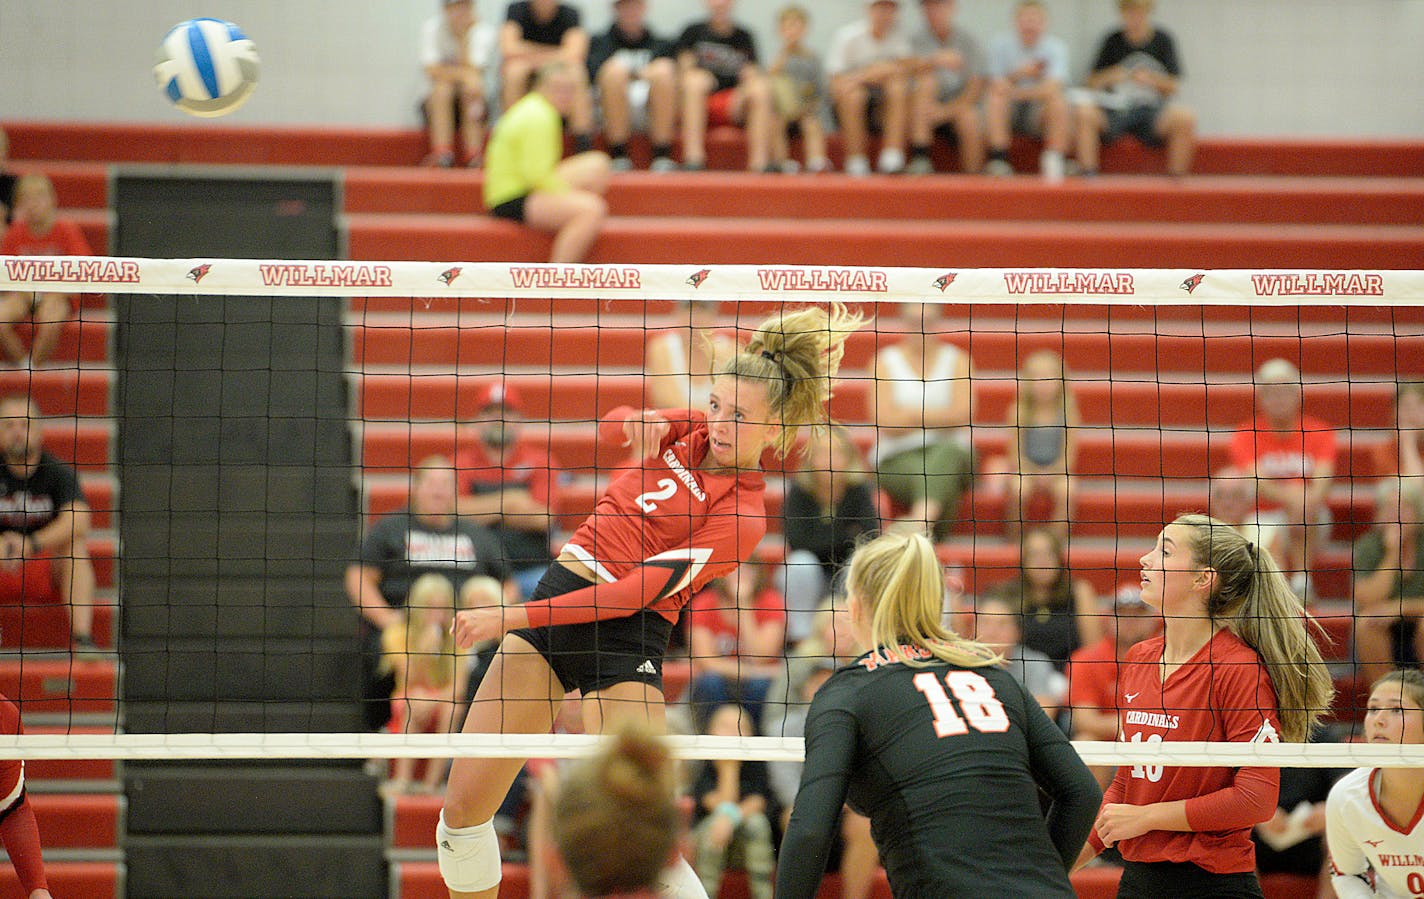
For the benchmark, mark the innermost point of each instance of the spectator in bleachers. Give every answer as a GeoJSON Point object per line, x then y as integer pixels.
{"type": "Point", "coordinates": [44, 522]}
{"type": "Point", "coordinates": [456, 50]}
{"type": "Point", "coordinates": [1060, 611]}
{"type": "Point", "coordinates": [1402, 456]}
{"type": "Point", "coordinates": [426, 537]}
{"type": "Point", "coordinates": [526, 182]}
{"type": "Point", "coordinates": [539, 32]}
{"type": "Point", "coordinates": [1029, 70]}
{"type": "Point", "coordinates": [1232, 499]}
{"type": "Point", "coordinates": [1389, 584]}
{"type": "Point", "coordinates": [682, 359]}
{"type": "Point", "coordinates": [1043, 443]}
{"type": "Point", "coordinates": [736, 639]}
{"type": "Point", "coordinates": [869, 65]}
{"type": "Point", "coordinates": [1293, 840]}
{"type": "Point", "coordinates": [798, 88]}
{"type": "Point", "coordinates": [923, 457]}
{"type": "Point", "coordinates": [7, 181]}
{"type": "Point", "coordinates": [949, 67]}
{"type": "Point", "coordinates": [1292, 458]}
{"type": "Point", "coordinates": [1092, 671]}
{"type": "Point", "coordinates": [999, 624]}
{"type": "Point", "coordinates": [830, 504]}
{"type": "Point", "coordinates": [37, 231]}
{"type": "Point", "coordinates": [507, 483]}
{"type": "Point", "coordinates": [19, 830]}
{"type": "Point", "coordinates": [1131, 87]}
{"type": "Point", "coordinates": [732, 812]}
{"type": "Point", "coordinates": [722, 84]}
{"type": "Point", "coordinates": [636, 80]}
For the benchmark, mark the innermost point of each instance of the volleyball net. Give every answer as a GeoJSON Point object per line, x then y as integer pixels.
{"type": "Point", "coordinates": [242, 429]}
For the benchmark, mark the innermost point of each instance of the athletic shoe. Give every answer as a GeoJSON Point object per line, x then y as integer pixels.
{"type": "Point", "coordinates": [622, 164]}
{"type": "Point", "coordinates": [1051, 166]}
{"type": "Point", "coordinates": [817, 166]}
{"type": "Point", "coordinates": [662, 164]}
{"type": "Point", "coordinates": [697, 166]}
{"type": "Point", "coordinates": [920, 165]}
{"type": "Point", "coordinates": [790, 167]}
{"type": "Point", "coordinates": [998, 168]}
{"type": "Point", "coordinates": [85, 648]}
{"type": "Point", "coordinates": [442, 160]}
{"type": "Point", "coordinates": [891, 161]}
{"type": "Point", "coordinates": [857, 167]}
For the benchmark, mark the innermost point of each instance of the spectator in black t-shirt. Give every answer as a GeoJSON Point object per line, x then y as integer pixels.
{"type": "Point", "coordinates": [7, 181]}
{"type": "Point", "coordinates": [1135, 78]}
{"type": "Point", "coordinates": [44, 521]}
{"type": "Point", "coordinates": [636, 79]}
{"type": "Point", "coordinates": [733, 811]}
{"type": "Point", "coordinates": [425, 538]}
{"type": "Point", "coordinates": [722, 85]}
{"type": "Point", "coordinates": [537, 32]}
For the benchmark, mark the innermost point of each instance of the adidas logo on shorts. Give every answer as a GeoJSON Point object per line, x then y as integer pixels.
{"type": "Point", "coordinates": [647, 668]}
{"type": "Point", "coordinates": [445, 844]}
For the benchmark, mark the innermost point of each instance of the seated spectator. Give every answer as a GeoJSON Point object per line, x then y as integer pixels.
{"type": "Point", "coordinates": [7, 181]}
{"type": "Point", "coordinates": [870, 83]}
{"type": "Point", "coordinates": [1060, 612]}
{"type": "Point", "coordinates": [37, 231]}
{"type": "Point", "coordinates": [1131, 87]}
{"type": "Point", "coordinates": [949, 67]}
{"type": "Point", "coordinates": [1232, 499]}
{"type": "Point", "coordinates": [682, 359]}
{"type": "Point", "coordinates": [1029, 69]}
{"type": "Point", "coordinates": [923, 457]}
{"type": "Point", "coordinates": [1292, 458]}
{"type": "Point", "coordinates": [1092, 671]}
{"type": "Point", "coordinates": [1043, 443]}
{"type": "Point", "coordinates": [999, 624]}
{"type": "Point", "coordinates": [736, 639]}
{"type": "Point", "coordinates": [1389, 585]}
{"type": "Point", "coordinates": [830, 504]}
{"type": "Point", "coordinates": [1293, 840]}
{"type": "Point", "coordinates": [798, 91]}
{"type": "Point", "coordinates": [44, 522]}
{"type": "Point", "coordinates": [525, 181]}
{"type": "Point", "coordinates": [636, 81]}
{"type": "Point", "coordinates": [732, 812]}
{"type": "Point", "coordinates": [1402, 456]}
{"type": "Point", "coordinates": [535, 34]}
{"type": "Point", "coordinates": [426, 537]}
{"type": "Point", "coordinates": [722, 85]}
{"type": "Point", "coordinates": [456, 51]}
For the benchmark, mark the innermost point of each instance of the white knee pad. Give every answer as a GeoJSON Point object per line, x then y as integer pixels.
{"type": "Point", "coordinates": [679, 881]}
{"type": "Point", "coordinates": [469, 856]}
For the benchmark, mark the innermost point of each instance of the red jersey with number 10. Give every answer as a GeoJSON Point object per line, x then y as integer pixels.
{"type": "Point", "coordinates": [670, 509]}
{"type": "Point", "coordinates": [1222, 694]}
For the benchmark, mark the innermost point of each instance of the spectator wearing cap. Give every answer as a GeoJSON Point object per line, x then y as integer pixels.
{"type": "Point", "coordinates": [1092, 670]}
{"type": "Point", "coordinates": [869, 65]}
{"type": "Point", "coordinates": [1291, 457]}
{"type": "Point", "coordinates": [506, 482]}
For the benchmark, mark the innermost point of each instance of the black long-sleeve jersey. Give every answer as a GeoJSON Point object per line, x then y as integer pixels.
{"type": "Point", "coordinates": [946, 762]}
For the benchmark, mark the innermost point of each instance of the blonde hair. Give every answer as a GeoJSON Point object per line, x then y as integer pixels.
{"type": "Point", "coordinates": [898, 581]}
{"type": "Point", "coordinates": [796, 355]}
{"type": "Point", "coordinates": [1253, 598]}
{"type": "Point", "coordinates": [27, 184]}
{"type": "Point", "coordinates": [616, 814]}
{"type": "Point", "coordinates": [1023, 408]}
{"type": "Point", "coordinates": [793, 12]}
{"type": "Point", "coordinates": [1410, 680]}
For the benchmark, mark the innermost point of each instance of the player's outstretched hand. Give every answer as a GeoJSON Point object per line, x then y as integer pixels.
{"type": "Point", "coordinates": [645, 432]}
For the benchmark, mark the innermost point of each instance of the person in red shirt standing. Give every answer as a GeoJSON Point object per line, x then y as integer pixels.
{"type": "Point", "coordinates": [1235, 663]}
{"type": "Point", "coordinates": [1292, 458]}
{"type": "Point", "coordinates": [37, 231]}
{"type": "Point", "coordinates": [600, 620]}
{"type": "Point", "coordinates": [18, 830]}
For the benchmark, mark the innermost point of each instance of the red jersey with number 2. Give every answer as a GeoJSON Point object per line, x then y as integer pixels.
{"type": "Point", "coordinates": [670, 508]}
{"type": "Point", "coordinates": [1222, 694]}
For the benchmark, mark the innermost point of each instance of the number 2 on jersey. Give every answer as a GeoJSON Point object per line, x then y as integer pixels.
{"type": "Point", "coordinates": [649, 501]}
{"type": "Point", "coordinates": [976, 700]}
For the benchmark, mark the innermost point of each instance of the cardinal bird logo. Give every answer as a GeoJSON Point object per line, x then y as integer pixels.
{"type": "Point", "coordinates": [699, 276]}
{"type": "Point", "coordinates": [1193, 282]}
{"type": "Point", "coordinates": [945, 280]}
{"type": "Point", "coordinates": [197, 273]}
{"type": "Point", "coordinates": [448, 276]}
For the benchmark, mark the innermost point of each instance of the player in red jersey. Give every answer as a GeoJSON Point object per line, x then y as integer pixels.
{"type": "Point", "coordinates": [1235, 662]}
{"type": "Point", "coordinates": [18, 830]}
{"type": "Point", "coordinates": [600, 619]}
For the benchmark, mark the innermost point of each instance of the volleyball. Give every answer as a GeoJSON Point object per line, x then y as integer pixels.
{"type": "Point", "coordinates": [207, 67]}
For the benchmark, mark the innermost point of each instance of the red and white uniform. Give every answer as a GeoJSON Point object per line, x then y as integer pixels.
{"type": "Point", "coordinates": [1222, 694]}
{"type": "Point", "coordinates": [1293, 455]}
{"type": "Point", "coordinates": [12, 771]}
{"type": "Point", "coordinates": [63, 239]}
{"type": "Point", "coordinates": [1363, 839]}
{"type": "Point", "coordinates": [1092, 677]}
{"type": "Point", "coordinates": [661, 531]}
{"type": "Point", "coordinates": [18, 830]}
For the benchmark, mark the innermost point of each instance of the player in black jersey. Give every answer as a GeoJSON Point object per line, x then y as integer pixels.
{"type": "Point", "coordinates": [939, 746]}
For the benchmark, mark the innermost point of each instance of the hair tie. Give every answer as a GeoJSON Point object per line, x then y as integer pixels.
{"type": "Point", "coordinates": [768, 354]}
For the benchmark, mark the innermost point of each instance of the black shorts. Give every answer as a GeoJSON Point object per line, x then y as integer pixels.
{"type": "Point", "coordinates": [511, 209]}
{"type": "Point", "coordinates": [1184, 880]}
{"type": "Point", "coordinates": [597, 655]}
{"type": "Point", "coordinates": [1139, 121]}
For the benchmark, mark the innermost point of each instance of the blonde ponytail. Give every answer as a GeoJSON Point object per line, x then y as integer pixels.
{"type": "Point", "coordinates": [797, 354]}
{"type": "Point", "coordinates": [897, 579]}
{"type": "Point", "coordinates": [1255, 601]}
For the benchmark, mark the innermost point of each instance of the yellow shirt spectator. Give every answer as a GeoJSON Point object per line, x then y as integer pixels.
{"type": "Point", "coordinates": [524, 151]}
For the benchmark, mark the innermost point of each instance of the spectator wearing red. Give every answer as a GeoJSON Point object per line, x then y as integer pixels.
{"type": "Point", "coordinates": [1292, 458]}
{"type": "Point", "coordinates": [18, 829]}
{"type": "Point", "coordinates": [736, 636]}
{"type": "Point", "coordinates": [507, 482]}
{"type": "Point", "coordinates": [37, 230]}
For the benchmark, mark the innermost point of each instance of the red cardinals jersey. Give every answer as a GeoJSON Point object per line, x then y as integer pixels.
{"type": "Point", "coordinates": [64, 239]}
{"type": "Point", "coordinates": [12, 771]}
{"type": "Point", "coordinates": [1290, 456]}
{"type": "Point", "coordinates": [1222, 694]}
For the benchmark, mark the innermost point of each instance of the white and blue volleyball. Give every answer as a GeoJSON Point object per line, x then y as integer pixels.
{"type": "Point", "coordinates": [207, 67]}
